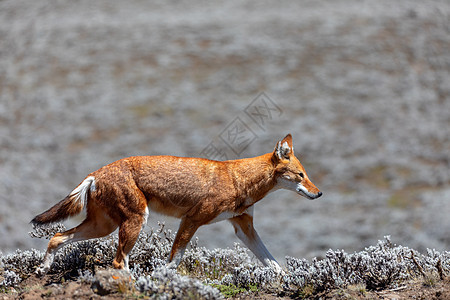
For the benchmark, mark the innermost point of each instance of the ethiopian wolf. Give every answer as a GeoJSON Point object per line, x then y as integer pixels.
{"type": "Point", "coordinates": [198, 191]}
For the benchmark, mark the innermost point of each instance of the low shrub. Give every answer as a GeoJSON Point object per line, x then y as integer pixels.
{"type": "Point", "coordinates": [203, 271]}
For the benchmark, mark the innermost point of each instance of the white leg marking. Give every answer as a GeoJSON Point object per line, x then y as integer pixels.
{"type": "Point", "coordinates": [45, 267]}
{"type": "Point", "coordinates": [260, 251]}
{"type": "Point", "coordinates": [146, 213]}
{"type": "Point", "coordinates": [50, 254]}
{"type": "Point", "coordinates": [256, 246]}
{"type": "Point", "coordinates": [125, 263]}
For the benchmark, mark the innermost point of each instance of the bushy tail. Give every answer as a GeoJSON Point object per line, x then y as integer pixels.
{"type": "Point", "coordinates": [72, 205]}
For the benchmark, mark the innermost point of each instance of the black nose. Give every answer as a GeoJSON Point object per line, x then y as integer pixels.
{"type": "Point", "coordinates": [319, 194]}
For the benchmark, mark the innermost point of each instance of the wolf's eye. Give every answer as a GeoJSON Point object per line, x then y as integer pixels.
{"type": "Point", "coordinates": [301, 175]}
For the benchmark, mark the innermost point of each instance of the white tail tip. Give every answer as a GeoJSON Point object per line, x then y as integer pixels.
{"type": "Point", "coordinates": [80, 193]}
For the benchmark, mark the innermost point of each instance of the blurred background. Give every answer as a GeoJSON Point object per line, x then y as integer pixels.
{"type": "Point", "coordinates": [363, 87]}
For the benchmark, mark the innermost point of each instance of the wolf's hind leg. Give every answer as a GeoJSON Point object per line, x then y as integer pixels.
{"type": "Point", "coordinates": [94, 226]}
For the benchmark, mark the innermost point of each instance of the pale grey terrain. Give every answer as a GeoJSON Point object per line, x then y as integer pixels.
{"type": "Point", "coordinates": [363, 87]}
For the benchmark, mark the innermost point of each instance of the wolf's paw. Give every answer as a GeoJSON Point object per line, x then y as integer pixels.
{"type": "Point", "coordinates": [41, 271]}
{"type": "Point", "coordinates": [172, 265]}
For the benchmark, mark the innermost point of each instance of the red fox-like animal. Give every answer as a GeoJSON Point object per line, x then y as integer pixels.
{"type": "Point", "coordinates": [196, 190]}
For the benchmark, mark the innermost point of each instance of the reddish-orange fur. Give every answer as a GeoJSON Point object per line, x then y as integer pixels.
{"type": "Point", "coordinates": [196, 190]}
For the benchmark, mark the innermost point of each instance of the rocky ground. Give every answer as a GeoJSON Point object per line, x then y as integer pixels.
{"type": "Point", "coordinates": [363, 86]}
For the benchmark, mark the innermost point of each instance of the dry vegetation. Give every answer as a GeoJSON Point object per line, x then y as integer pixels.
{"type": "Point", "coordinates": [214, 274]}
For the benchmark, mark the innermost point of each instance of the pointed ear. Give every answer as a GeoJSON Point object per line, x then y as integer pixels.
{"type": "Point", "coordinates": [284, 148]}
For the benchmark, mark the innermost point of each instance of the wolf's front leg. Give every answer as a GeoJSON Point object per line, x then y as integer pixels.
{"type": "Point", "coordinates": [185, 233]}
{"type": "Point", "coordinates": [243, 226]}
